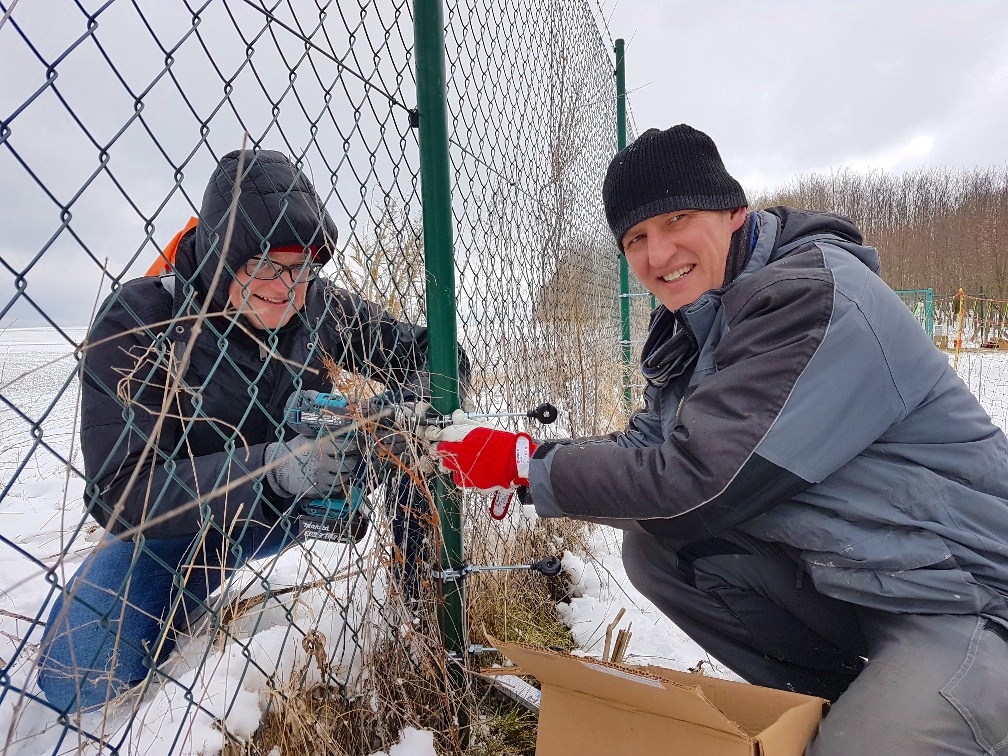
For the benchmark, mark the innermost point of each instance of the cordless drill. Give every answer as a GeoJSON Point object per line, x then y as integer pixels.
{"type": "Point", "coordinates": [332, 519]}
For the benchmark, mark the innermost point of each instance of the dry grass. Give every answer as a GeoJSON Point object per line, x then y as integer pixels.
{"type": "Point", "coordinates": [506, 730]}
{"type": "Point", "coordinates": [314, 720]}
{"type": "Point", "coordinates": [322, 708]}
{"type": "Point", "coordinates": [521, 605]}
{"type": "Point", "coordinates": [406, 683]}
{"type": "Point", "coordinates": [321, 719]}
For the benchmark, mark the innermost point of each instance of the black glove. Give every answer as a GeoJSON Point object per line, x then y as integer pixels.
{"type": "Point", "coordinates": [394, 428]}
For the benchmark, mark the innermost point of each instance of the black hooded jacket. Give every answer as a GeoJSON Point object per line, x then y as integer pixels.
{"type": "Point", "coordinates": [205, 460]}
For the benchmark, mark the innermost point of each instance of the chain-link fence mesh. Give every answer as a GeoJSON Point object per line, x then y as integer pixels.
{"type": "Point", "coordinates": [225, 629]}
{"type": "Point", "coordinates": [921, 304]}
{"type": "Point", "coordinates": [974, 331]}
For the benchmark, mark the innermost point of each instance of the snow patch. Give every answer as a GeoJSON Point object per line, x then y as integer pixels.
{"type": "Point", "coordinates": [412, 742]}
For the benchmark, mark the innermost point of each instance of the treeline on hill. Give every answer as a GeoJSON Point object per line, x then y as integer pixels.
{"type": "Point", "coordinates": [934, 228]}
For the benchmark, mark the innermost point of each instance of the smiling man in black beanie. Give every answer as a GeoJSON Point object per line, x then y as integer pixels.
{"type": "Point", "coordinates": [810, 491]}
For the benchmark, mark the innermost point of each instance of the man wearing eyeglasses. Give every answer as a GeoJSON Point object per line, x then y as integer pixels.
{"type": "Point", "coordinates": [269, 290]}
{"type": "Point", "coordinates": [185, 382]}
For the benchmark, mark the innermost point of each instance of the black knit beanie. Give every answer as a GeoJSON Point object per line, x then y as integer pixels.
{"type": "Point", "coordinates": [664, 171]}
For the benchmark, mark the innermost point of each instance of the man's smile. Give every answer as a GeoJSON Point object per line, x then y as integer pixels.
{"type": "Point", "coordinates": [675, 275]}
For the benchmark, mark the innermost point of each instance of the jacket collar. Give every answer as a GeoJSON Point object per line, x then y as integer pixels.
{"type": "Point", "coordinates": [699, 317]}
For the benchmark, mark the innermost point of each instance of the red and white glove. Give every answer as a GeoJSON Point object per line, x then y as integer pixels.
{"type": "Point", "coordinates": [489, 459]}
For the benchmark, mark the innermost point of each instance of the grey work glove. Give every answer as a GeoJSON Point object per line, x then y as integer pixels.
{"type": "Point", "coordinates": [322, 468]}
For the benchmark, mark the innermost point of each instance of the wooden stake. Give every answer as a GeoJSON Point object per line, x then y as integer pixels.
{"type": "Point", "coordinates": [608, 634]}
{"type": "Point", "coordinates": [622, 644]}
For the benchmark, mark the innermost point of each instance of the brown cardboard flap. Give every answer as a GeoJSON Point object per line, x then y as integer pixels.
{"type": "Point", "coordinates": [794, 728]}
{"type": "Point", "coordinates": [575, 723]}
{"type": "Point", "coordinates": [752, 713]}
{"type": "Point", "coordinates": [626, 687]}
{"type": "Point", "coordinates": [591, 707]}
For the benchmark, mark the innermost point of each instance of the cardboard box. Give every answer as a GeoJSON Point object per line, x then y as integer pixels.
{"type": "Point", "coordinates": [591, 707]}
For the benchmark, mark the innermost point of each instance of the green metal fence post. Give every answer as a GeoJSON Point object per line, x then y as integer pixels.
{"type": "Point", "coordinates": [624, 271]}
{"type": "Point", "coordinates": [439, 263]}
{"type": "Point", "coordinates": [929, 312]}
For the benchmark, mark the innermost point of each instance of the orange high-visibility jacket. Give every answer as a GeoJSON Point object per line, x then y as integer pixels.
{"type": "Point", "coordinates": [166, 259]}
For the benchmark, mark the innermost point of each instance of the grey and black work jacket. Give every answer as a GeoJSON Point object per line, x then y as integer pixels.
{"type": "Point", "coordinates": [207, 440]}
{"type": "Point", "coordinates": [819, 415]}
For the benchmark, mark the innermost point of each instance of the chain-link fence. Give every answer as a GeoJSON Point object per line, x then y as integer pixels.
{"type": "Point", "coordinates": [921, 304]}
{"type": "Point", "coordinates": [974, 331]}
{"type": "Point", "coordinates": [205, 621]}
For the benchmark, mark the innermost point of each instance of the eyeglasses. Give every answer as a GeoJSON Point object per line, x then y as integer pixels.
{"type": "Point", "coordinates": [265, 269]}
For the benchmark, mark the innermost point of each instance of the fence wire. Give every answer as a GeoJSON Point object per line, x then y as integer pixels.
{"type": "Point", "coordinates": [116, 115]}
{"type": "Point", "coordinates": [921, 304]}
{"type": "Point", "coordinates": [974, 331]}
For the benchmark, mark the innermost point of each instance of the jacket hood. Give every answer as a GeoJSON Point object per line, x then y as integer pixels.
{"type": "Point", "coordinates": [277, 207]}
{"type": "Point", "coordinates": [796, 225]}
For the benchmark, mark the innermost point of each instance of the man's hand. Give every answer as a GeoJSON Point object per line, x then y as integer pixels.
{"type": "Point", "coordinates": [481, 457]}
{"type": "Point", "coordinates": [394, 429]}
{"type": "Point", "coordinates": [315, 468]}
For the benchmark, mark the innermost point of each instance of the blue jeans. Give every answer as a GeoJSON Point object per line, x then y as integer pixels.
{"type": "Point", "coordinates": [114, 630]}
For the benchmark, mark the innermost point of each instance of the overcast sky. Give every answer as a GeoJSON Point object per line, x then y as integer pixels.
{"type": "Point", "coordinates": [784, 87]}
{"type": "Point", "coordinates": [787, 87]}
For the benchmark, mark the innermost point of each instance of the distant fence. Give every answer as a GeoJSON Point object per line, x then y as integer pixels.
{"type": "Point", "coordinates": [967, 320]}
{"type": "Point", "coordinates": [974, 331]}
{"type": "Point", "coordinates": [921, 304]}
{"type": "Point", "coordinates": [108, 131]}
{"type": "Point", "coordinates": [984, 321]}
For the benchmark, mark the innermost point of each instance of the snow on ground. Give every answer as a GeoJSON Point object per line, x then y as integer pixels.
{"type": "Point", "coordinates": [40, 504]}
{"type": "Point", "coordinates": [41, 508]}
{"type": "Point", "coordinates": [601, 589]}
{"type": "Point", "coordinates": [986, 374]}
{"type": "Point", "coordinates": [412, 742]}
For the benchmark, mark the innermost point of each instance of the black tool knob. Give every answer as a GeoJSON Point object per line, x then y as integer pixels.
{"type": "Point", "coordinates": [549, 566]}
{"type": "Point", "coordinates": [545, 413]}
